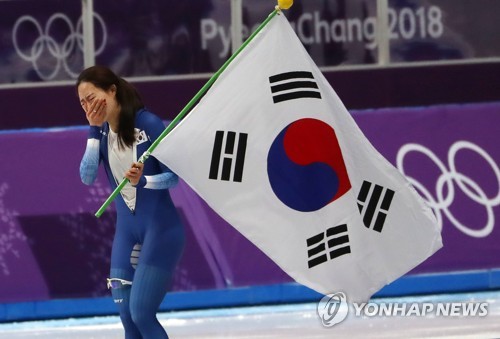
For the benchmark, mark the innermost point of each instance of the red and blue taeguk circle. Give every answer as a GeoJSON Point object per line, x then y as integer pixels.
{"type": "Point", "coordinates": [305, 166]}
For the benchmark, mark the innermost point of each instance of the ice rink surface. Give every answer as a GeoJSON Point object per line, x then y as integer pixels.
{"type": "Point", "coordinates": [283, 321]}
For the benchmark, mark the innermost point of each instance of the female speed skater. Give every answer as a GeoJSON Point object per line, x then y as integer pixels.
{"type": "Point", "coordinates": [147, 223]}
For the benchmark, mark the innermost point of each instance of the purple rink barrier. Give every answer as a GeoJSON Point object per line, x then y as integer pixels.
{"type": "Point", "coordinates": [52, 246]}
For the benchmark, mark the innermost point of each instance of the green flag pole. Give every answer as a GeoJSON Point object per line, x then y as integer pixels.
{"type": "Point", "coordinates": [186, 109]}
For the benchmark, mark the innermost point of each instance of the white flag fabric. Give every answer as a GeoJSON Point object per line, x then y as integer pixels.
{"type": "Point", "coordinates": [272, 149]}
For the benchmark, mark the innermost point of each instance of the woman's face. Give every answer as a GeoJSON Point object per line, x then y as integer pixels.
{"type": "Point", "coordinates": [88, 93]}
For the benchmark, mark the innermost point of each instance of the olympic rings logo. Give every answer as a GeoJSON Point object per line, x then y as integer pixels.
{"type": "Point", "coordinates": [61, 51]}
{"type": "Point", "coordinates": [450, 176]}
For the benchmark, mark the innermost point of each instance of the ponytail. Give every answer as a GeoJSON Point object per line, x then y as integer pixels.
{"type": "Point", "coordinates": [130, 102]}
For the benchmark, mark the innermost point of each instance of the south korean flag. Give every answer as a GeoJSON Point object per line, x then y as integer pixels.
{"type": "Point", "coordinates": [272, 149]}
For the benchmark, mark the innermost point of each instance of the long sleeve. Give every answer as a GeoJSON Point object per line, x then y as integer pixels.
{"type": "Point", "coordinates": [160, 181]}
{"type": "Point", "coordinates": [166, 178]}
{"type": "Point", "coordinates": [90, 161]}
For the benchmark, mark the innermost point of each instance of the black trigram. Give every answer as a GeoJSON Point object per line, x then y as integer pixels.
{"type": "Point", "coordinates": [330, 244]}
{"type": "Point", "coordinates": [229, 148]}
{"type": "Point", "coordinates": [293, 85]}
{"type": "Point", "coordinates": [374, 204]}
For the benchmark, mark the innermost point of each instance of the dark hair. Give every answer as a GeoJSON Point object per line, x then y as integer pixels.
{"type": "Point", "coordinates": [127, 96]}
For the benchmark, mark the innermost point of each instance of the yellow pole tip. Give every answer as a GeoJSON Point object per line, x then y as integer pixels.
{"type": "Point", "coordinates": [285, 4]}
